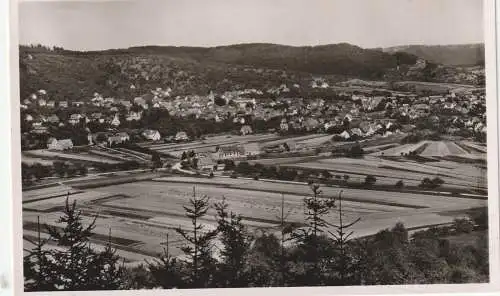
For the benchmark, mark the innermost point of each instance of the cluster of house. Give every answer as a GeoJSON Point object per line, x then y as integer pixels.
{"type": "Point", "coordinates": [354, 114]}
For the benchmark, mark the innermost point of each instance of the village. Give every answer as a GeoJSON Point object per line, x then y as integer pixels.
{"type": "Point", "coordinates": [354, 116]}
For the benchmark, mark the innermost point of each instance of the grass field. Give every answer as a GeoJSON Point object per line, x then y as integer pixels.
{"type": "Point", "coordinates": [390, 171]}
{"type": "Point", "coordinates": [463, 149]}
{"type": "Point", "coordinates": [209, 143]}
{"type": "Point", "coordinates": [146, 211]}
{"type": "Point", "coordinates": [81, 156]}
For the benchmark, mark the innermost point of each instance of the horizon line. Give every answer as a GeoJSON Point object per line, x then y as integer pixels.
{"type": "Point", "coordinates": [252, 43]}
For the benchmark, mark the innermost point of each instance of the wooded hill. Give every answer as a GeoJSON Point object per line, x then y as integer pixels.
{"type": "Point", "coordinates": [76, 75]}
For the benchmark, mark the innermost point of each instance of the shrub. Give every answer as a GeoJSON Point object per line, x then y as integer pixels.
{"type": "Point", "coordinates": [326, 174]}
{"type": "Point", "coordinates": [437, 181]}
{"type": "Point", "coordinates": [463, 225]}
{"type": "Point", "coordinates": [431, 184]}
{"type": "Point", "coordinates": [370, 180]}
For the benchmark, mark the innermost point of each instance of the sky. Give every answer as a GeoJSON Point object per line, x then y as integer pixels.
{"type": "Point", "coordinates": [102, 24]}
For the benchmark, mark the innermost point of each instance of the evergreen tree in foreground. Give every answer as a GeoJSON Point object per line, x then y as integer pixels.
{"type": "Point", "coordinates": [199, 248]}
{"type": "Point", "coordinates": [166, 271]}
{"type": "Point", "coordinates": [311, 238]}
{"type": "Point", "coordinates": [74, 265]}
{"type": "Point", "coordinates": [235, 246]}
{"type": "Point", "coordinates": [344, 264]}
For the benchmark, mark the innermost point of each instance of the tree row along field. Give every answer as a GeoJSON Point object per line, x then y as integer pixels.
{"type": "Point", "coordinates": [386, 171]}
{"type": "Point", "coordinates": [145, 212]}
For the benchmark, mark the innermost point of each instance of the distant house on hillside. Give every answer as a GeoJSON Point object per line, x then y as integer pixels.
{"type": "Point", "coordinates": [229, 152]}
{"type": "Point", "coordinates": [53, 119]}
{"type": "Point", "coordinates": [243, 102]}
{"type": "Point", "coordinates": [63, 104]}
{"type": "Point", "coordinates": [118, 139]}
{"type": "Point", "coordinates": [77, 104]}
{"type": "Point", "coordinates": [125, 103]}
{"type": "Point", "coordinates": [358, 132]}
{"type": "Point", "coordinates": [75, 118]}
{"type": "Point", "coordinates": [97, 117]}
{"type": "Point", "coordinates": [348, 117]}
{"type": "Point", "coordinates": [115, 121]}
{"type": "Point", "coordinates": [251, 149]}
{"type": "Point", "coordinates": [345, 135]}
{"type": "Point", "coordinates": [151, 135]}
{"type": "Point", "coordinates": [60, 145]}
{"type": "Point", "coordinates": [181, 136]}
{"type": "Point", "coordinates": [246, 130]}
{"type": "Point", "coordinates": [206, 163]}
{"type": "Point", "coordinates": [134, 116]}
{"type": "Point", "coordinates": [40, 130]}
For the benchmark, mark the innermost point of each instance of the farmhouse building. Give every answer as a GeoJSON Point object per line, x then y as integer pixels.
{"type": "Point", "coordinates": [53, 119]}
{"type": "Point", "coordinates": [229, 152]}
{"type": "Point", "coordinates": [246, 130]}
{"type": "Point", "coordinates": [114, 140]}
{"type": "Point", "coordinates": [60, 145]}
{"type": "Point", "coordinates": [181, 136]}
{"type": "Point", "coordinates": [115, 121]}
{"type": "Point", "coordinates": [151, 135]}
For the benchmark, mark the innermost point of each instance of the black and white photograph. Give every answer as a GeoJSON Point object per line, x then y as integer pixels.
{"type": "Point", "coordinates": [245, 144]}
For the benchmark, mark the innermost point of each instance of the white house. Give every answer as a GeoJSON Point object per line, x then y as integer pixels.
{"type": "Point", "coordinates": [134, 116]}
{"type": "Point", "coordinates": [75, 118]}
{"type": "Point", "coordinates": [246, 130]}
{"type": "Point", "coordinates": [181, 136]}
{"type": "Point", "coordinates": [345, 135]}
{"type": "Point", "coordinates": [229, 152]}
{"type": "Point", "coordinates": [151, 135]}
{"type": "Point", "coordinates": [60, 145]}
{"type": "Point", "coordinates": [116, 121]}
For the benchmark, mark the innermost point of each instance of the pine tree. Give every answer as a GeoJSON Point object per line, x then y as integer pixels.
{"type": "Point", "coordinates": [341, 236]}
{"type": "Point", "coordinates": [105, 271]}
{"type": "Point", "coordinates": [37, 275]}
{"type": "Point", "coordinates": [286, 234]}
{"type": "Point", "coordinates": [311, 237]}
{"type": "Point", "coordinates": [72, 264]}
{"type": "Point", "coordinates": [166, 271]}
{"type": "Point", "coordinates": [236, 244]}
{"type": "Point", "coordinates": [75, 265]}
{"type": "Point", "coordinates": [199, 249]}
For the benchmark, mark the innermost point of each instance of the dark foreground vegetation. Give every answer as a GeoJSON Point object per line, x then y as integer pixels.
{"type": "Point", "coordinates": [312, 253]}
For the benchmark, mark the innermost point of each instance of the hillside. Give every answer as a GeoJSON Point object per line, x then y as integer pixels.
{"type": "Point", "coordinates": [451, 55]}
{"type": "Point", "coordinates": [134, 71]}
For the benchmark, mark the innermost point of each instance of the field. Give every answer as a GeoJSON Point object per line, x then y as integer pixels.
{"type": "Point", "coordinates": [141, 214]}
{"type": "Point", "coordinates": [80, 156]}
{"type": "Point", "coordinates": [437, 149]}
{"type": "Point", "coordinates": [264, 140]}
{"type": "Point", "coordinates": [388, 171]}
{"type": "Point", "coordinates": [208, 144]}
